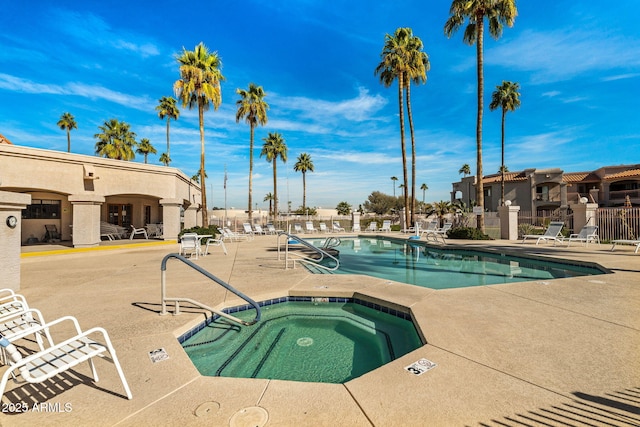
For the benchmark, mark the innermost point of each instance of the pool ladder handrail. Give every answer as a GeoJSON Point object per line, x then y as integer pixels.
{"type": "Point", "coordinates": [303, 259]}
{"type": "Point", "coordinates": [177, 301]}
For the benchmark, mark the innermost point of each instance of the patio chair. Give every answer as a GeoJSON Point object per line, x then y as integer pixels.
{"type": "Point", "coordinates": [635, 243]}
{"type": "Point", "coordinates": [214, 242]}
{"type": "Point", "coordinates": [271, 229]}
{"type": "Point", "coordinates": [386, 226]}
{"type": "Point", "coordinates": [431, 227]}
{"type": "Point", "coordinates": [136, 231]}
{"type": "Point", "coordinates": [55, 359]}
{"type": "Point", "coordinates": [589, 233]}
{"type": "Point", "coordinates": [373, 226]}
{"type": "Point", "coordinates": [553, 232]}
{"type": "Point", "coordinates": [190, 244]}
{"type": "Point", "coordinates": [11, 303]}
{"type": "Point", "coordinates": [323, 228]}
{"type": "Point", "coordinates": [335, 227]}
{"type": "Point", "coordinates": [23, 323]}
{"type": "Point", "coordinates": [257, 229]}
{"type": "Point", "coordinates": [248, 231]}
{"type": "Point", "coordinates": [51, 233]}
{"type": "Point", "coordinates": [228, 234]}
{"type": "Point", "coordinates": [297, 228]}
{"type": "Point", "coordinates": [310, 228]}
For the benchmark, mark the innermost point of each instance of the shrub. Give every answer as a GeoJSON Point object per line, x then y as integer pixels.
{"type": "Point", "coordinates": [467, 233]}
{"type": "Point", "coordinates": [212, 229]}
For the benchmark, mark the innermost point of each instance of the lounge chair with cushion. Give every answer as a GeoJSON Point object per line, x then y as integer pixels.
{"type": "Point", "coordinates": [553, 232]}
{"type": "Point", "coordinates": [589, 233]}
{"type": "Point", "coordinates": [635, 243]}
{"type": "Point", "coordinates": [46, 364]}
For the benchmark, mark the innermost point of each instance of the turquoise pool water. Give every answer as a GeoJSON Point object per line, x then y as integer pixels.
{"type": "Point", "coordinates": [330, 342]}
{"type": "Point", "coordinates": [418, 264]}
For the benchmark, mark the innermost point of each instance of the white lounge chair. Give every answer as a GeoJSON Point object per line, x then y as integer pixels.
{"type": "Point", "coordinates": [136, 231]}
{"type": "Point", "coordinates": [20, 324]}
{"type": "Point", "coordinates": [190, 244]}
{"type": "Point", "coordinates": [439, 232]}
{"type": "Point", "coordinates": [11, 303]}
{"type": "Point", "coordinates": [297, 228]}
{"type": "Point", "coordinates": [228, 234]}
{"type": "Point", "coordinates": [373, 226]}
{"type": "Point", "coordinates": [589, 233]}
{"type": "Point", "coordinates": [248, 231]}
{"type": "Point", "coordinates": [431, 226]}
{"type": "Point", "coordinates": [257, 229]}
{"type": "Point", "coordinates": [635, 243]}
{"type": "Point", "coordinates": [310, 228]}
{"type": "Point", "coordinates": [55, 359]}
{"type": "Point", "coordinates": [553, 232]}
{"type": "Point", "coordinates": [323, 228]}
{"type": "Point", "coordinates": [386, 226]}
{"type": "Point", "coordinates": [271, 229]}
{"type": "Point", "coordinates": [336, 227]}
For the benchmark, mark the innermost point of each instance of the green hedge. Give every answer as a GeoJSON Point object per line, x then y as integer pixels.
{"type": "Point", "coordinates": [467, 233]}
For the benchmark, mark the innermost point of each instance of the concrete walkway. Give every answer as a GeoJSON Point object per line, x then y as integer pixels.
{"type": "Point", "coordinates": [561, 352]}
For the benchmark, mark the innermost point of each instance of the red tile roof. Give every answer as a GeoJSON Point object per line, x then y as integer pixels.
{"type": "Point", "coordinates": [508, 177]}
{"type": "Point", "coordinates": [631, 173]}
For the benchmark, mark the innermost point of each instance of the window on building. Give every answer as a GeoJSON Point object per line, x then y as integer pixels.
{"type": "Point", "coordinates": [120, 215]}
{"type": "Point", "coordinates": [542, 193]}
{"type": "Point", "coordinates": [42, 209]}
{"type": "Point", "coordinates": [147, 214]}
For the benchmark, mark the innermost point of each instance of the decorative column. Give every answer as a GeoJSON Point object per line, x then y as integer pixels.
{"type": "Point", "coordinates": [355, 221]}
{"type": "Point", "coordinates": [11, 206]}
{"type": "Point", "coordinates": [508, 221]}
{"type": "Point", "coordinates": [86, 219]}
{"type": "Point", "coordinates": [583, 214]}
{"type": "Point", "coordinates": [171, 218]}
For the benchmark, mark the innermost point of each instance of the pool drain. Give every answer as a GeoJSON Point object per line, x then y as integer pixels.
{"type": "Point", "coordinates": [253, 416]}
{"type": "Point", "coordinates": [207, 408]}
{"type": "Point", "coordinates": [304, 341]}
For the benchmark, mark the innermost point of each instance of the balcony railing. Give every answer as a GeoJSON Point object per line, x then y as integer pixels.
{"type": "Point", "coordinates": [622, 194]}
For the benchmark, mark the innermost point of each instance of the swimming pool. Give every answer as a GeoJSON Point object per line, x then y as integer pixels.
{"type": "Point", "coordinates": [304, 339]}
{"type": "Point", "coordinates": [416, 263]}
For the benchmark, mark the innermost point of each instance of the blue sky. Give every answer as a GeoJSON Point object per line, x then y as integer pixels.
{"type": "Point", "coordinates": [578, 65]}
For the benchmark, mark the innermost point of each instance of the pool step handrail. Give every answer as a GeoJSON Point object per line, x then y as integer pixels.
{"type": "Point", "coordinates": [177, 301]}
{"type": "Point", "coordinates": [331, 242]}
{"type": "Point", "coordinates": [299, 258]}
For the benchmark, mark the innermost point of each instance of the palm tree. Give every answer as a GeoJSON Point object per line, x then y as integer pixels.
{"type": "Point", "coordinates": [394, 179]}
{"type": "Point", "coordinates": [416, 73]}
{"type": "Point", "coordinates": [498, 13]}
{"type": "Point", "coordinates": [145, 148]}
{"type": "Point", "coordinates": [167, 108]}
{"type": "Point", "coordinates": [273, 148]}
{"type": "Point", "coordinates": [269, 198]}
{"type": "Point", "coordinates": [424, 189]}
{"type": "Point", "coordinates": [196, 177]}
{"type": "Point", "coordinates": [304, 165]}
{"type": "Point", "coordinates": [465, 169]}
{"type": "Point", "coordinates": [506, 96]}
{"type": "Point", "coordinates": [116, 141]}
{"type": "Point", "coordinates": [165, 159]}
{"type": "Point", "coordinates": [394, 65]}
{"type": "Point", "coordinates": [253, 108]}
{"type": "Point", "coordinates": [199, 87]}
{"type": "Point", "coordinates": [68, 122]}
{"type": "Point", "coordinates": [503, 169]}
{"type": "Point", "coordinates": [441, 209]}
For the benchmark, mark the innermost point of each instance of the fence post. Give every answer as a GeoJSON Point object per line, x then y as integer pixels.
{"type": "Point", "coordinates": [509, 222]}
{"type": "Point", "coordinates": [583, 214]}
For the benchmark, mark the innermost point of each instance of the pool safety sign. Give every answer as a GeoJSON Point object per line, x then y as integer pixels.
{"type": "Point", "coordinates": [158, 355]}
{"type": "Point", "coordinates": [420, 367]}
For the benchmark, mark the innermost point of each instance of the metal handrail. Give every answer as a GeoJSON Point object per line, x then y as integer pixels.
{"type": "Point", "coordinates": [163, 270]}
{"type": "Point", "coordinates": [315, 262]}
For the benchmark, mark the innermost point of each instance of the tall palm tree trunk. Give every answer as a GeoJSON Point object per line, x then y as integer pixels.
{"type": "Point", "coordinates": [407, 216]}
{"type": "Point", "coordinates": [304, 192]}
{"type": "Point", "coordinates": [251, 170]}
{"type": "Point", "coordinates": [275, 188]}
{"type": "Point", "coordinates": [168, 153]}
{"type": "Point", "coordinates": [68, 140]}
{"type": "Point", "coordinates": [413, 154]}
{"type": "Point", "coordinates": [203, 187]}
{"type": "Point", "coordinates": [504, 115]}
{"type": "Point", "coordinates": [479, 180]}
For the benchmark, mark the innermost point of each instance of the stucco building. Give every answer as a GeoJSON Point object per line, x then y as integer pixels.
{"type": "Point", "coordinates": [549, 189]}
{"type": "Point", "coordinates": [76, 192]}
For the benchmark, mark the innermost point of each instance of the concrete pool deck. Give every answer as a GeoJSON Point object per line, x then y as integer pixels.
{"type": "Point", "coordinates": [556, 352]}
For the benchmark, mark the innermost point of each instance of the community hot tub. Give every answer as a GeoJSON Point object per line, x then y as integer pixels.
{"type": "Point", "coordinates": [310, 339]}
